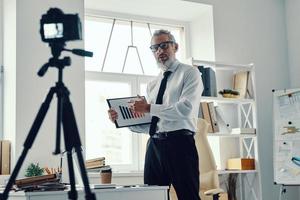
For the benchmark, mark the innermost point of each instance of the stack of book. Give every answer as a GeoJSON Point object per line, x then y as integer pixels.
{"type": "Point", "coordinates": [40, 183]}
{"type": "Point", "coordinates": [95, 164]}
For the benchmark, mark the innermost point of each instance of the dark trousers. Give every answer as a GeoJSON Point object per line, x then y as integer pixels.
{"type": "Point", "coordinates": [173, 160]}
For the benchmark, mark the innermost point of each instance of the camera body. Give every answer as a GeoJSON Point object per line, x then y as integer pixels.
{"type": "Point", "coordinates": [57, 27]}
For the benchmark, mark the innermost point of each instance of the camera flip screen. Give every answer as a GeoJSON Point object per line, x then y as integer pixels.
{"type": "Point", "coordinates": [53, 30]}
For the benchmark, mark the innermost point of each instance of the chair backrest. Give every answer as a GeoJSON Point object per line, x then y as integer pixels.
{"type": "Point", "coordinates": [208, 170]}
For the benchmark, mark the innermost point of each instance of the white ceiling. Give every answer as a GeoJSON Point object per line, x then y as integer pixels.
{"type": "Point", "coordinates": [166, 9]}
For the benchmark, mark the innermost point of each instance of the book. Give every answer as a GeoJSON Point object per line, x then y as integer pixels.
{"type": "Point", "coordinates": [95, 163]}
{"type": "Point", "coordinates": [5, 157]}
{"type": "Point", "coordinates": [99, 169]}
{"type": "Point", "coordinates": [240, 83]}
{"type": "Point", "coordinates": [243, 131]}
{"type": "Point", "coordinates": [95, 159]}
{"type": "Point", "coordinates": [94, 166]}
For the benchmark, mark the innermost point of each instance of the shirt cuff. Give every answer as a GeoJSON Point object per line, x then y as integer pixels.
{"type": "Point", "coordinates": [155, 109]}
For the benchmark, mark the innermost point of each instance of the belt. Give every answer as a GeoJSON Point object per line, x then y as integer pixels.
{"type": "Point", "coordinates": [168, 134]}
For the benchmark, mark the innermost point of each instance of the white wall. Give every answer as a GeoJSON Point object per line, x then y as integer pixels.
{"type": "Point", "coordinates": [293, 33]}
{"type": "Point", "coordinates": [9, 63]}
{"type": "Point", "coordinates": [254, 31]}
{"type": "Point", "coordinates": [25, 53]}
{"type": "Point", "coordinates": [1, 64]}
{"type": "Point", "coordinates": [201, 36]}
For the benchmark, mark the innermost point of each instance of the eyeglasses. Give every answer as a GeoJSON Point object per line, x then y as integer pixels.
{"type": "Point", "coordinates": [163, 45]}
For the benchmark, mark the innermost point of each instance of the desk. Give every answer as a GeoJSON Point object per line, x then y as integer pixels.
{"type": "Point", "coordinates": [135, 193]}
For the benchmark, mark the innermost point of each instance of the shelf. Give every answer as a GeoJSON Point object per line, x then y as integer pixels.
{"type": "Point", "coordinates": [222, 66]}
{"type": "Point", "coordinates": [236, 171]}
{"type": "Point", "coordinates": [226, 100]}
{"type": "Point", "coordinates": [231, 135]}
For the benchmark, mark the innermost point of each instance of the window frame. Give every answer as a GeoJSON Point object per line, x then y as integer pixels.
{"type": "Point", "coordinates": [135, 79]}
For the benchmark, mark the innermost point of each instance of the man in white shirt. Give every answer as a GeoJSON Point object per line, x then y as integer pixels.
{"type": "Point", "coordinates": [174, 98]}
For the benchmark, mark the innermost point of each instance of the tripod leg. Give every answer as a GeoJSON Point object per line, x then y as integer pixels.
{"type": "Point", "coordinates": [29, 141]}
{"type": "Point", "coordinates": [72, 139]}
{"type": "Point", "coordinates": [72, 193]}
{"type": "Point", "coordinates": [58, 123]}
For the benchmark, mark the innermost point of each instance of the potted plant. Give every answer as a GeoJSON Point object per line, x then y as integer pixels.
{"type": "Point", "coordinates": [34, 170]}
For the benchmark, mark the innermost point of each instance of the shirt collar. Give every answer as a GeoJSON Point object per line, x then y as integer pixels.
{"type": "Point", "coordinates": [173, 66]}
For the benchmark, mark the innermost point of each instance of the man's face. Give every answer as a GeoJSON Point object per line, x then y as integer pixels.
{"type": "Point", "coordinates": [167, 49]}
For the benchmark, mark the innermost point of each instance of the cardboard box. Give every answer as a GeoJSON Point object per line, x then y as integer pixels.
{"type": "Point", "coordinates": [241, 164]}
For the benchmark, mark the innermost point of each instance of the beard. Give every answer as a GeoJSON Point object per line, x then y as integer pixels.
{"type": "Point", "coordinates": [164, 66]}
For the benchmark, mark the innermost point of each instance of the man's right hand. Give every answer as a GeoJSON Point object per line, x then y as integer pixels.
{"type": "Point", "coordinates": [113, 115]}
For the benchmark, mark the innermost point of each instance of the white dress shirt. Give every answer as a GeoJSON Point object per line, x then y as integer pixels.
{"type": "Point", "coordinates": [181, 99]}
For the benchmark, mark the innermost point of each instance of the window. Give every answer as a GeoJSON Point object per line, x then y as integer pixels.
{"type": "Point", "coordinates": [122, 149]}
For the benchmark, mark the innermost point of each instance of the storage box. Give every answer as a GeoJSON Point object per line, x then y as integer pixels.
{"type": "Point", "coordinates": [241, 164]}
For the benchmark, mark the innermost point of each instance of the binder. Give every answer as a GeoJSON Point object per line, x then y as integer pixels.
{"type": "Point", "coordinates": [223, 123]}
{"type": "Point", "coordinates": [213, 117]}
{"type": "Point", "coordinates": [209, 81]}
{"type": "Point", "coordinates": [206, 116]}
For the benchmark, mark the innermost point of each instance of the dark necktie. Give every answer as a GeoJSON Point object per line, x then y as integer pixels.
{"type": "Point", "coordinates": [159, 100]}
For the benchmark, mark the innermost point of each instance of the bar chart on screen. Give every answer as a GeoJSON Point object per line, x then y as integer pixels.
{"type": "Point", "coordinates": [126, 117]}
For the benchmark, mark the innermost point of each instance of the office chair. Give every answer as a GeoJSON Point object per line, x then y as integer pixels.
{"type": "Point", "coordinates": [209, 180]}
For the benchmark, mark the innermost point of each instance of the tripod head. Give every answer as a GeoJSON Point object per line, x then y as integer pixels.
{"type": "Point", "coordinates": [56, 49]}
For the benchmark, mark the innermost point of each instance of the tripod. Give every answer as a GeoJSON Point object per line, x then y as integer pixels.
{"type": "Point", "coordinates": [65, 117]}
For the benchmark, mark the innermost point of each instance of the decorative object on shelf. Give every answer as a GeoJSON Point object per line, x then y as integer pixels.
{"type": "Point", "coordinates": [34, 170]}
{"type": "Point", "coordinates": [231, 186]}
{"type": "Point", "coordinates": [229, 93]}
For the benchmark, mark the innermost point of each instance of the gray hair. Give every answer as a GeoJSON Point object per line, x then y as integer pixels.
{"type": "Point", "coordinates": [163, 32]}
